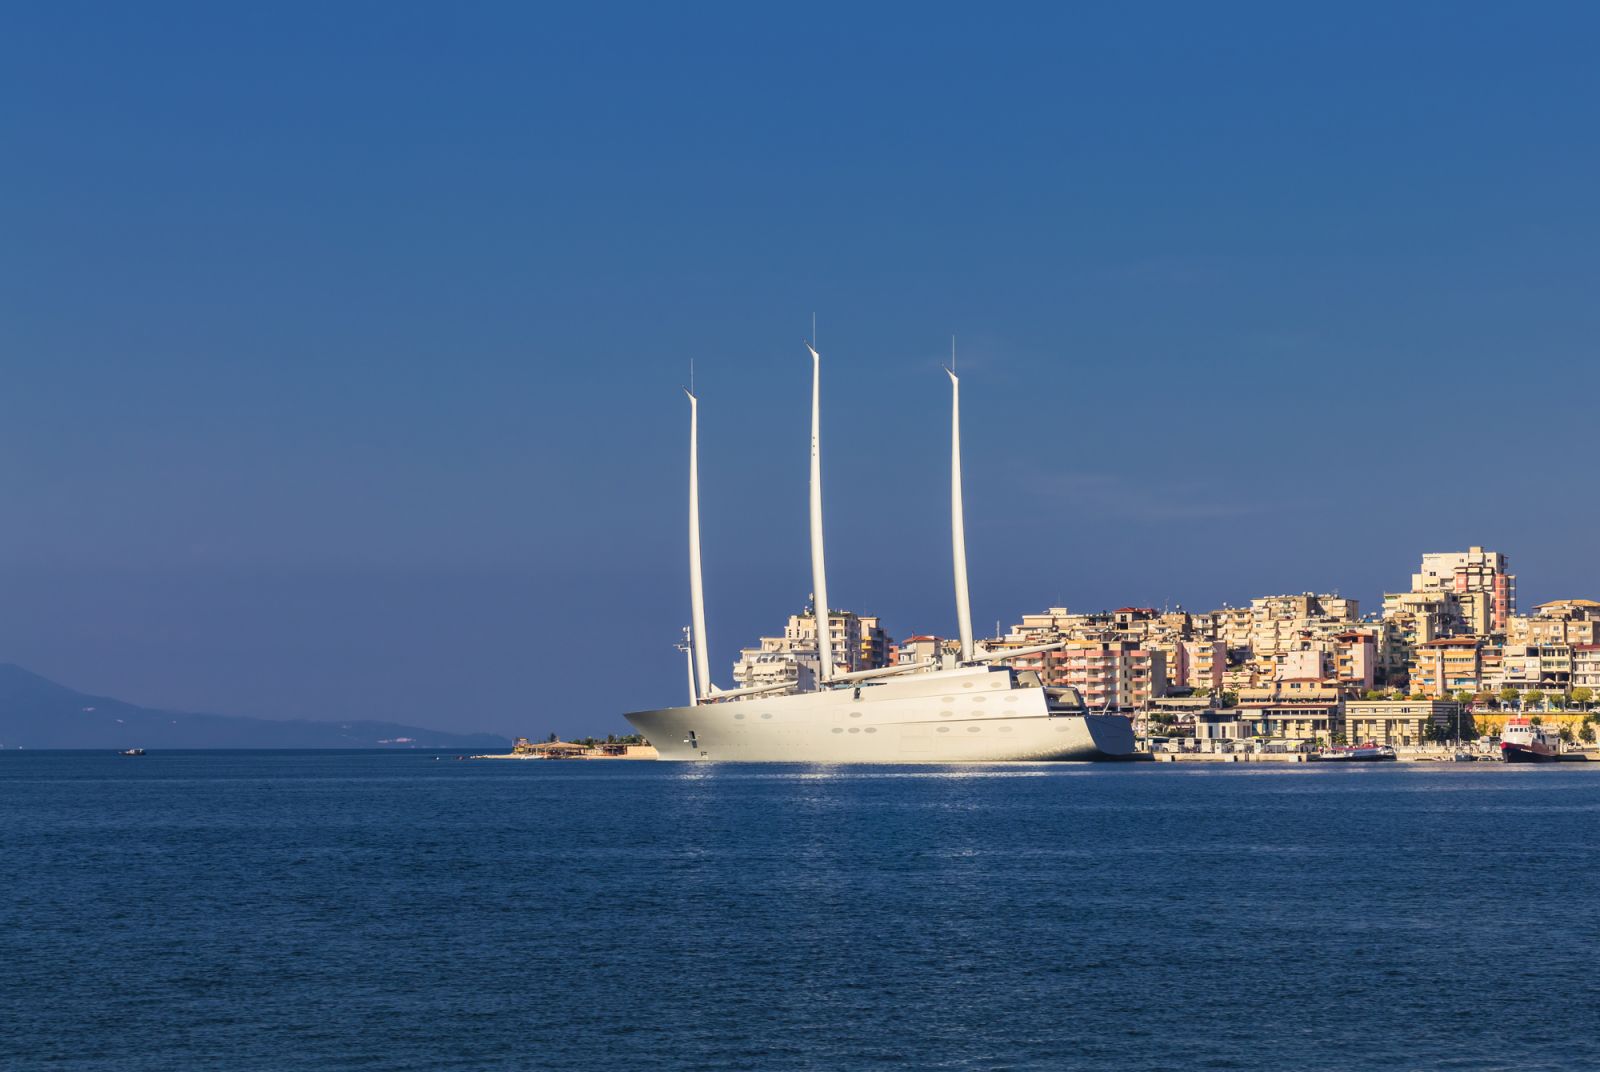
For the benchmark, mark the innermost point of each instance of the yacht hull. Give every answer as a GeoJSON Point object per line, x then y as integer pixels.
{"type": "Point", "coordinates": [967, 716]}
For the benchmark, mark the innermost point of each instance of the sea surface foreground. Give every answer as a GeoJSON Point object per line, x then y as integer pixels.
{"type": "Point", "coordinates": [261, 910]}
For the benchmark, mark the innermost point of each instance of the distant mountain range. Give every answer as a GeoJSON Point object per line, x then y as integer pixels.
{"type": "Point", "coordinates": [36, 712]}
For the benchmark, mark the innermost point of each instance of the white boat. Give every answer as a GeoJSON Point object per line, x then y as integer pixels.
{"type": "Point", "coordinates": [1525, 741]}
{"type": "Point", "coordinates": [965, 708]}
{"type": "Point", "coordinates": [1368, 752]}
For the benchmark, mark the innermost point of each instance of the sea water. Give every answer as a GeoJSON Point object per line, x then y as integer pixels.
{"type": "Point", "coordinates": [261, 910]}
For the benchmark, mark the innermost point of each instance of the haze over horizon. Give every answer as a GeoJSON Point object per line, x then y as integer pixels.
{"type": "Point", "coordinates": [343, 353]}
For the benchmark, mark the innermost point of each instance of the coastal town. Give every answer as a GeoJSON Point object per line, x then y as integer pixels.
{"type": "Point", "coordinates": [1447, 662]}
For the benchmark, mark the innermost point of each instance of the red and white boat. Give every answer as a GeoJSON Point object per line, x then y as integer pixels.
{"type": "Point", "coordinates": [1524, 742]}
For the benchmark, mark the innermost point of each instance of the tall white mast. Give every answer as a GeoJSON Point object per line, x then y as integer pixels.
{"type": "Point", "coordinates": [697, 597]}
{"type": "Point", "coordinates": [958, 528]}
{"type": "Point", "coordinates": [819, 573]}
{"type": "Point", "coordinates": [687, 647]}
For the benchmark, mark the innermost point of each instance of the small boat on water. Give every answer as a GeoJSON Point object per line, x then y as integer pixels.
{"type": "Point", "coordinates": [1354, 753]}
{"type": "Point", "coordinates": [1523, 741]}
{"type": "Point", "coordinates": [131, 752]}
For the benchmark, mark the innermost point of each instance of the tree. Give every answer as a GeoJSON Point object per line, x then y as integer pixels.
{"type": "Point", "coordinates": [1372, 694]}
{"type": "Point", "coordinates": [1583, 695]}
{"type": "Point", "coordinates": [1508, 695]}
{"type": "Point", "coordinates": [1229, 698]}
{"type": "Point", "coordinates": [1561, 699]}
{"type": "Point", "coordinates": [1537, 720]}
{"type": "Point", "coordinates": [1535, 697]}
{"type": "Point", "coordinates": [1396, 694]}
{"type": "Point", "coordinates": [1566, 732]}
{"type": "Point", "coordinates": [1464, 697]}
{"type": "Point", "coordinates": [1586, 735]}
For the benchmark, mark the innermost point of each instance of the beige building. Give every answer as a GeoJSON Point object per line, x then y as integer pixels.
{"type": "Point", "coordinates": [1472, 571]}
{"type": "Point", "coordinates": [1397, 723]}
{"type": "Point", "coordinates": [858, 642]}
{"type": "Point", "coordinates": [1277, 622]}
{"type": "Point", "coordinates": [1561, 621]}
{"type": "Point", "coordinates": [1546, 668]}
{"type": "Point", "coordinates": [1441, 668]}
{"type": "Point", "coordinates": [1586, 667]}
{"type": "Point", "coordinates": [1205, 664]}
{"type": "Point", "coordinates": [1305, 710]}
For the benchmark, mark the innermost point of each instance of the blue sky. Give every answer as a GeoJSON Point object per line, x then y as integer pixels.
{"type": "Point", "coordinates": [342, 343]}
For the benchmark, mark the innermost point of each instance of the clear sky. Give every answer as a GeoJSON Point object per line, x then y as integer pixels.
{"type": "Point", "coordinates": [341, 343]}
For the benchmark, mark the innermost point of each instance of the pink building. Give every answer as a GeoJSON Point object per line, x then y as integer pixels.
{"type": "Point", "coordinates": [1108, 674]}
{"type": "Point", "coordinates": [1356, 659]}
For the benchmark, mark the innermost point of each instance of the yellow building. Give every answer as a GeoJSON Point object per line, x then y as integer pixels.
{"type": "Point", "coordinates": [1398, 722]}
{"type": "Point", "coordinates": [1441, 668]}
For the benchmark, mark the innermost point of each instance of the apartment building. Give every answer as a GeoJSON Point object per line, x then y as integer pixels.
{"type": "Point", "coordinates": [1472, 571]}
{"type": "Point", "coordinates": [1561, 621]}
{"type": "Point", "coordinates": [1441, 668]}
{"type": "Point", "coordinates": [857, 642]}
{"type": "Point", "coordinates": [876, 648]}
{"type": "Point", "coordinates": [1108, 674]}
{"type": "Point", "coordinates": [1586, 667]}
{"type": "Point", "coordinates": [1347, 660]}
{"type": "Point", "coordinates": [1547, 668]}
{"type": "Point", "coordinates": [1277, 622]}
{"type": "Point", "coordinates": [1204, 665]}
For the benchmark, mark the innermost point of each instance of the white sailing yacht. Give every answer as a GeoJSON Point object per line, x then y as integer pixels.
{"type": "Point", "coordinates": [965, 709]}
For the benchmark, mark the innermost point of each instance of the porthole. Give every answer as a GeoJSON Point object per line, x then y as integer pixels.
{"type": "Point", "coordinates": [947, 699]}
{"type": "Point", "coordinates": [739, 714]}
{"type": "Point", "coordinates": [855, 729]}
{"type": "Point", "coordinates": [766, 714]}
{"type": "Point", "coordinates": [1011, 699]}
{"type": "Point", "coordinates": [872, 729]}
{"type": "Point", "coordinates": [978, 699]}
{"type": "Point", "coordinates": [1007, 729]}
{"type": "Point", "coordinates": [966, 684]}
{"type": "Point", "coordinates": [855, 714]}
{"type": "Point", "coordinates": [946, 714]}
{"type": "Point", "coordinates": [974, 729]}
{"type": "Point", "coordinates": [838, 729]}
{"type": "Point", "coordinates": [944, 729]}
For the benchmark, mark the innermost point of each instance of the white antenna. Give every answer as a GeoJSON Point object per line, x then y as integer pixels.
{"type": "Point", "coordinates": [819, 572]}
{"type": "Point", "coordinates": [958, 527]}
{"type": "Point", "coordinates": [697, 596]}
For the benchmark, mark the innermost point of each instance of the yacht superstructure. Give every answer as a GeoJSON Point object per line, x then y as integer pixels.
{"type": "Point", "coordinates": [969, 707]}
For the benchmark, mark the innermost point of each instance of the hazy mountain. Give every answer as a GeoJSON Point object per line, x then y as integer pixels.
{"type": "Point", "coordinates": [38, 713]}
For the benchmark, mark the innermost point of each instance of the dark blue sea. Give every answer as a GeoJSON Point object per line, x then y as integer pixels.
{"type": "Point", "coordinates": [260, 910]}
